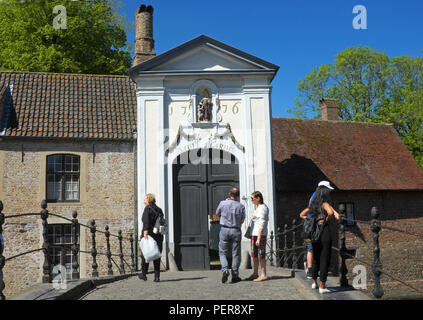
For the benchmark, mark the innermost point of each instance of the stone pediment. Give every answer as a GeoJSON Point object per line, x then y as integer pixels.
{"type": "Point", "coordinates": [203, 54]}
{"type": "Point", "coordinates": [205, 58]}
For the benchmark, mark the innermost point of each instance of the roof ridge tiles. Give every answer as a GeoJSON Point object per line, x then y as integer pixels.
{"type": "Point", "coordinates": [64, 74]}
{"type": "Point", "coordinates": [336, 121]}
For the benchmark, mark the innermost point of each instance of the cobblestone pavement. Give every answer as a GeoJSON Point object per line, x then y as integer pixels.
{"type": "Point", "coordinates": [203, 285]}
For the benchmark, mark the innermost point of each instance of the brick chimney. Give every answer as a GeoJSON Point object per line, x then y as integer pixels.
{"type": "Point", "coordinates": [329, 109]}
{"type": "Point", "coordinates": [144, 42]}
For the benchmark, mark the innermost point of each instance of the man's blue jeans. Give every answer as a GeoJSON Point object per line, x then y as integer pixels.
{"type": "Point", "coordinates": [230, 243]}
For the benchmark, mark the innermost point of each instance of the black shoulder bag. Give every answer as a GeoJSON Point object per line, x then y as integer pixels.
{"type": "Point", "coordinates": [248, 232]}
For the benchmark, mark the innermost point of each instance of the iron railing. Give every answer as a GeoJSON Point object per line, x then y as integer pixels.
{"type": "Point", "coordinates": [74, 247]}
{"type": "Point", "coordinates": [287, 253]}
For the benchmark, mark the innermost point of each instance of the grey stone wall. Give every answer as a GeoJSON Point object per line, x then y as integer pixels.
{"type": "Point", "coordinates": [21, 236]}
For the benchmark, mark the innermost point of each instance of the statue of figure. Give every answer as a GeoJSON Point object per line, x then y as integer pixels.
{"type": "Point", "coordinates": [204, 110]}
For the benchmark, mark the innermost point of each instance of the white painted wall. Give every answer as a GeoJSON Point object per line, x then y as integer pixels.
{"type": "Point", "coordinates": [152, 143]}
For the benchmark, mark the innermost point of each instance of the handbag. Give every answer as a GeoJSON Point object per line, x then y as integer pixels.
{"type": "Point", "coordinates": [248, 232]}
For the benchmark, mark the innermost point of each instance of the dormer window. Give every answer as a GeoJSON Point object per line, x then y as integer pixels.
{"type": "Point", "coordinates": [5, 107]}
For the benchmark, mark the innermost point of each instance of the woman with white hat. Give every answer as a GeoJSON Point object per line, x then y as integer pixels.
{"type": "Point", "coordinates": [323, 212]}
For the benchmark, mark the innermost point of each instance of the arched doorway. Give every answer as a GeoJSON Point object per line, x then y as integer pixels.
{"type": "Point", "coordinates": [201, 179]}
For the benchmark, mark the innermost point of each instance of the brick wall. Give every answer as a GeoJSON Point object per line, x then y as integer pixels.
{"type": "Point", "coordinates": [144, 42]}
{"type": "Point", "coordinates": [400, 254]}
{"type": "Point", "coordinates": [106, 195]}
{"type": "Point", "coordinates": [21, 236]}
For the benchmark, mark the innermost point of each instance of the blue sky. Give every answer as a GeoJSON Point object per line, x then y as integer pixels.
{"type": "Point", "coordinates": [296, 35]}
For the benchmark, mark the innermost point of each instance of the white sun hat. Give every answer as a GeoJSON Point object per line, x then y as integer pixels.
{"type": "Point", "coordinates": [325, 184]}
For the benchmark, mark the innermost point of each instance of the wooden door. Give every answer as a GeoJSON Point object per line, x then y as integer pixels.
{"type": "Point", "coordinates": [198, 189]}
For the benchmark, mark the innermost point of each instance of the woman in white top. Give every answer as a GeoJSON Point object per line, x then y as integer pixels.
{"type": "Point", "coordinates": [260, 220]}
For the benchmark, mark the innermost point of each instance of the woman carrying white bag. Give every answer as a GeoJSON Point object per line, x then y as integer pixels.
{"type": "Point", "coordinates": [150, 250]}
{"type": "Point", "coordinates": [152, 243]}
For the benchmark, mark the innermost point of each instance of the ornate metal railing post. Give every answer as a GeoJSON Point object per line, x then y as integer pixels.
{"type": "Point", "coordinates": [108, 252]}
{"type": "Point", "coordinates": [46, 264]}
{"type": "Point", "coordinates": [278, 242]}
{"type": "Point", "coordinates": [271, 247]}
{"type": "Point", "coordinates": [122, 265]}
{"type": "Point", "coordinates": [94, 273]}
{"type": "Point", "coordinates": [75, 246]}
{"type": "Point", "coordinates": [377, 265]}
{"type": "Point", "coordinates": [2, 258]}
{"type": "Point", "coordinates": [131, 239]}
{"type": "Point", "coordinates": [343, 280]}
{"type": "Point", "coordinates": [285, 247]}
{"type": "Point", "coordinates": [294, 251]}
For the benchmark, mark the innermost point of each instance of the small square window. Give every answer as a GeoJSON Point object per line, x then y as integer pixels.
{"type": "Point", "coordinates": [349, 213]}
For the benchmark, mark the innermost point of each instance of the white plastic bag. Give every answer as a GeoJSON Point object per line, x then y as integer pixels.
{"type": "Point", "coordinates": [150, 249]}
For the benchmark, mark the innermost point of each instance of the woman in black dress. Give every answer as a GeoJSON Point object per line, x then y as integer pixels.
{"type": "Point", "coordinates": [149, 217]}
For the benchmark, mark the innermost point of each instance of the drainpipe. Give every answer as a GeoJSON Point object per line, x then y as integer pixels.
{"type": "Point", "coordinates": [134, 150]}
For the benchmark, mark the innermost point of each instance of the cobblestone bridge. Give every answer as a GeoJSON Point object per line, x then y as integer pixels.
{"type": "Point", "coordinates": [207, 285]}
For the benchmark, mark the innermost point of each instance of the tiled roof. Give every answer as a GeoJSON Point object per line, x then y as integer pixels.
{"type": "Point", "coordinates": [352, 155]}
{"type": "Point", "coordinates": [70, 105]}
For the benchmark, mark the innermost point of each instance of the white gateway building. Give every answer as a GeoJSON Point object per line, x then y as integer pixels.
{"type": "Point", "coordinates": [204, 126]}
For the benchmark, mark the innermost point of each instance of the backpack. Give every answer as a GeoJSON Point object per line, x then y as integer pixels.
{"type": "Point", "coordinates": [312, 230]}
{"type": "Point", "coordinates": [160, 224]}
{"type": "Point", "coordinates": [309, 226]}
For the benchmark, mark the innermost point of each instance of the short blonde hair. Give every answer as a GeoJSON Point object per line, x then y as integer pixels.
{"type": "Point", "coordinates": [151, 198]}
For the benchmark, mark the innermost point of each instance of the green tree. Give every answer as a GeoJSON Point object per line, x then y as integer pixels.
{"type": "Point", "coordinates": [93, 42]}
{"type": "Point", "coordinates": [370, 87]}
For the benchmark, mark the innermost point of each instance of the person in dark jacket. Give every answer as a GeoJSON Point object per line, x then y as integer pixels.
{"type": "Point", "coordinates": [149, 217]}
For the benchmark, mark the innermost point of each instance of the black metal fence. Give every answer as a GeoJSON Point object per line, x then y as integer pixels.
{"type": "Point", "coordinates": [74, 247]}
{"type": "Point", "coordinates": [288, 253]}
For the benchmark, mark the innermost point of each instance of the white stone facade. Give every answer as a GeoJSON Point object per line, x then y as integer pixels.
{"type": "Point", "coordinates": [168, 96]}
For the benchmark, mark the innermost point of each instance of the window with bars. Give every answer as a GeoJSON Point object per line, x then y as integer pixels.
{"type": "Point", "coordinates": [60, 235]}
{"type": "Point", "coordinates": [63, 178]}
